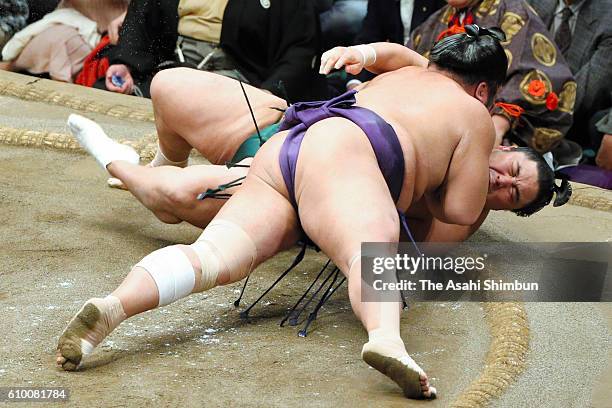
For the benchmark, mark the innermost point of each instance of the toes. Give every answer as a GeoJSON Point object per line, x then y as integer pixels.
{"type": "Point", "coordinates": [116, 183]}
{"type": "Point", "coordinates": [66, 364]}
{"type": "Point", "coordinates": [69, 366]}
{"type": "Point", "coordinates": [428, 391]}
{"type": "Point", "coordinates": [431, 393]}
{"type": "Point", "coordinates": [69, 354]}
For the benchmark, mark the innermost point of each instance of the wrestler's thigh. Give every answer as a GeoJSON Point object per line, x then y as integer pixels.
{"type": "Point", "coordinates": [345, 201]}
{"type": "Point", "coordinates": [210, 111]}
{"type": "Point", "coordinates": [264, 215]}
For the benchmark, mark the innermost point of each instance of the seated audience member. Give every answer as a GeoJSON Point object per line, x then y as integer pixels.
{"type": "Point", "coordinates": [147, 38]}
{"type": "Point", "coordinates": [534, 106]}
{"type": "Point", "coordinates": [583, 31]}
{"type": "Point", "coordinates": [393, 21]}
{"type": "Point", "coordinates": [603, 137]}
{"type": "Point", "coordinates": [270, 44]}
{"type": "Point", "coordinates": [13, 16]}
{"type": "Point", "coordinates": [57, 45]}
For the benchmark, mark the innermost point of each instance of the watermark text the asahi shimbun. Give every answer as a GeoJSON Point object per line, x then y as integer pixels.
{"type": "Point", "coordinates": [486, 271]}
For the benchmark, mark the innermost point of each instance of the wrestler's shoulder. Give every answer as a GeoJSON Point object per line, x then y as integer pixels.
{"type": "Point", "coordinates": [465, 107]}
{"type": "Point", "coordinates": [474, 120]}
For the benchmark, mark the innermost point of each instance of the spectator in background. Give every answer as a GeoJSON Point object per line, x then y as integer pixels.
{"type": "Point", "coordinates": [13, 16]}
{"type": "Point", "coordinates": [147, 38]}
{"type": "Point", "coordinates": [583, 32]}
{"type": "Point", "coordinates": [394, 20]}
{"type": "Point", "coordinates": [341, 21]}
{"type": "Point", "coordinates": [271, 44]}
{"type": "Point", "coordinates": [57, 45]}
{"type": "Point", "coordinates": [534, 106]}
{"type": "Point", "coordinates": [602, 133]}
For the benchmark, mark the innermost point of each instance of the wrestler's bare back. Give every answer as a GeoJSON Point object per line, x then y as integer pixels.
{"type": "Point", "coordinates": [437, 123]}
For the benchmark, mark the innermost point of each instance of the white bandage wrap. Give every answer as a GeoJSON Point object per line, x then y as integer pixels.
{"type": "Point", "coordinates": [161, 160]}
{"type": "Point", "coordinates": [225, 249]}
{"type": "Point", "coordinates": [172, 272]}
{"type": "Point", "coordinates": [368, 53]}
{"type": "Point", "coordinates": [209, 260]}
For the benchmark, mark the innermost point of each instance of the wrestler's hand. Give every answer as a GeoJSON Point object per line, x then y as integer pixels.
{"type": "Point", "coordinates": [124, 72]}
{"type": "Point", "coordinates": [604, 155]}
{"type": "Point", "coordinates": [348, 57]}
{"type": "Point", "coordinates": [113, 29]}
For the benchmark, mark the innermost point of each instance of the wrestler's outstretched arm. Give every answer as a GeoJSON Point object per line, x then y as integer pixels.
{"type": "Point", "coordinates": [461, 199]}
{"type": "Point", "coordinates": [376, 57]}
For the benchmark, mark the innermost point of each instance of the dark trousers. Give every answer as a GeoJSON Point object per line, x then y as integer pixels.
{"type": "Point", "coordinates": [39, 8]}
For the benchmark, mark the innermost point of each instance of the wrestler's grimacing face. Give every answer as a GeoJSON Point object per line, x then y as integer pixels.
{"type": "Point", "coordinates": [513, 180]}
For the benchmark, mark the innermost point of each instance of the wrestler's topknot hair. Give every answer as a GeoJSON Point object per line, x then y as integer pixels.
{"type": "Point", "coordinates": [547, 189]}
{"type": "Point", "coordinates": [475, 56]}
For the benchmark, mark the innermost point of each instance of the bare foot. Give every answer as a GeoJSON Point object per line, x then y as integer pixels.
{"type": "Point", "coordinates": [96, 320]}
{"type": "Point", "coordinates": [393, 361]}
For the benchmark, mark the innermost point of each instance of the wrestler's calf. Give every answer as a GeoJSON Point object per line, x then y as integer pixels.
{"type": "Point", "coordinates": [223, 254]}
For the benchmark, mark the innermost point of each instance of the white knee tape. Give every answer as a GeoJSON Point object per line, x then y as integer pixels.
{"type": "Point", "coordinates": [172, 271]}
{"type": "Point", "coordinates": [224, 248]}
{"type": "Point", "coordinates": [209, 261]}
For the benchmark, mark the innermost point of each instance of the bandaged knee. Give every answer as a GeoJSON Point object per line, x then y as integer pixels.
{"type": "Point", "coordinates": [172, 272]}
{"type": "Point", "coordinates": [225, 250]}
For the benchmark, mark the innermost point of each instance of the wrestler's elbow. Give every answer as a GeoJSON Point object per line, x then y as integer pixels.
{"type": "Point", "coordinates": [461, 215]}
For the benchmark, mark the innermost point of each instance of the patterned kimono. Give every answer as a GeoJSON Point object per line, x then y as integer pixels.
{"type": "Point", "coordinates": [539, 93]}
